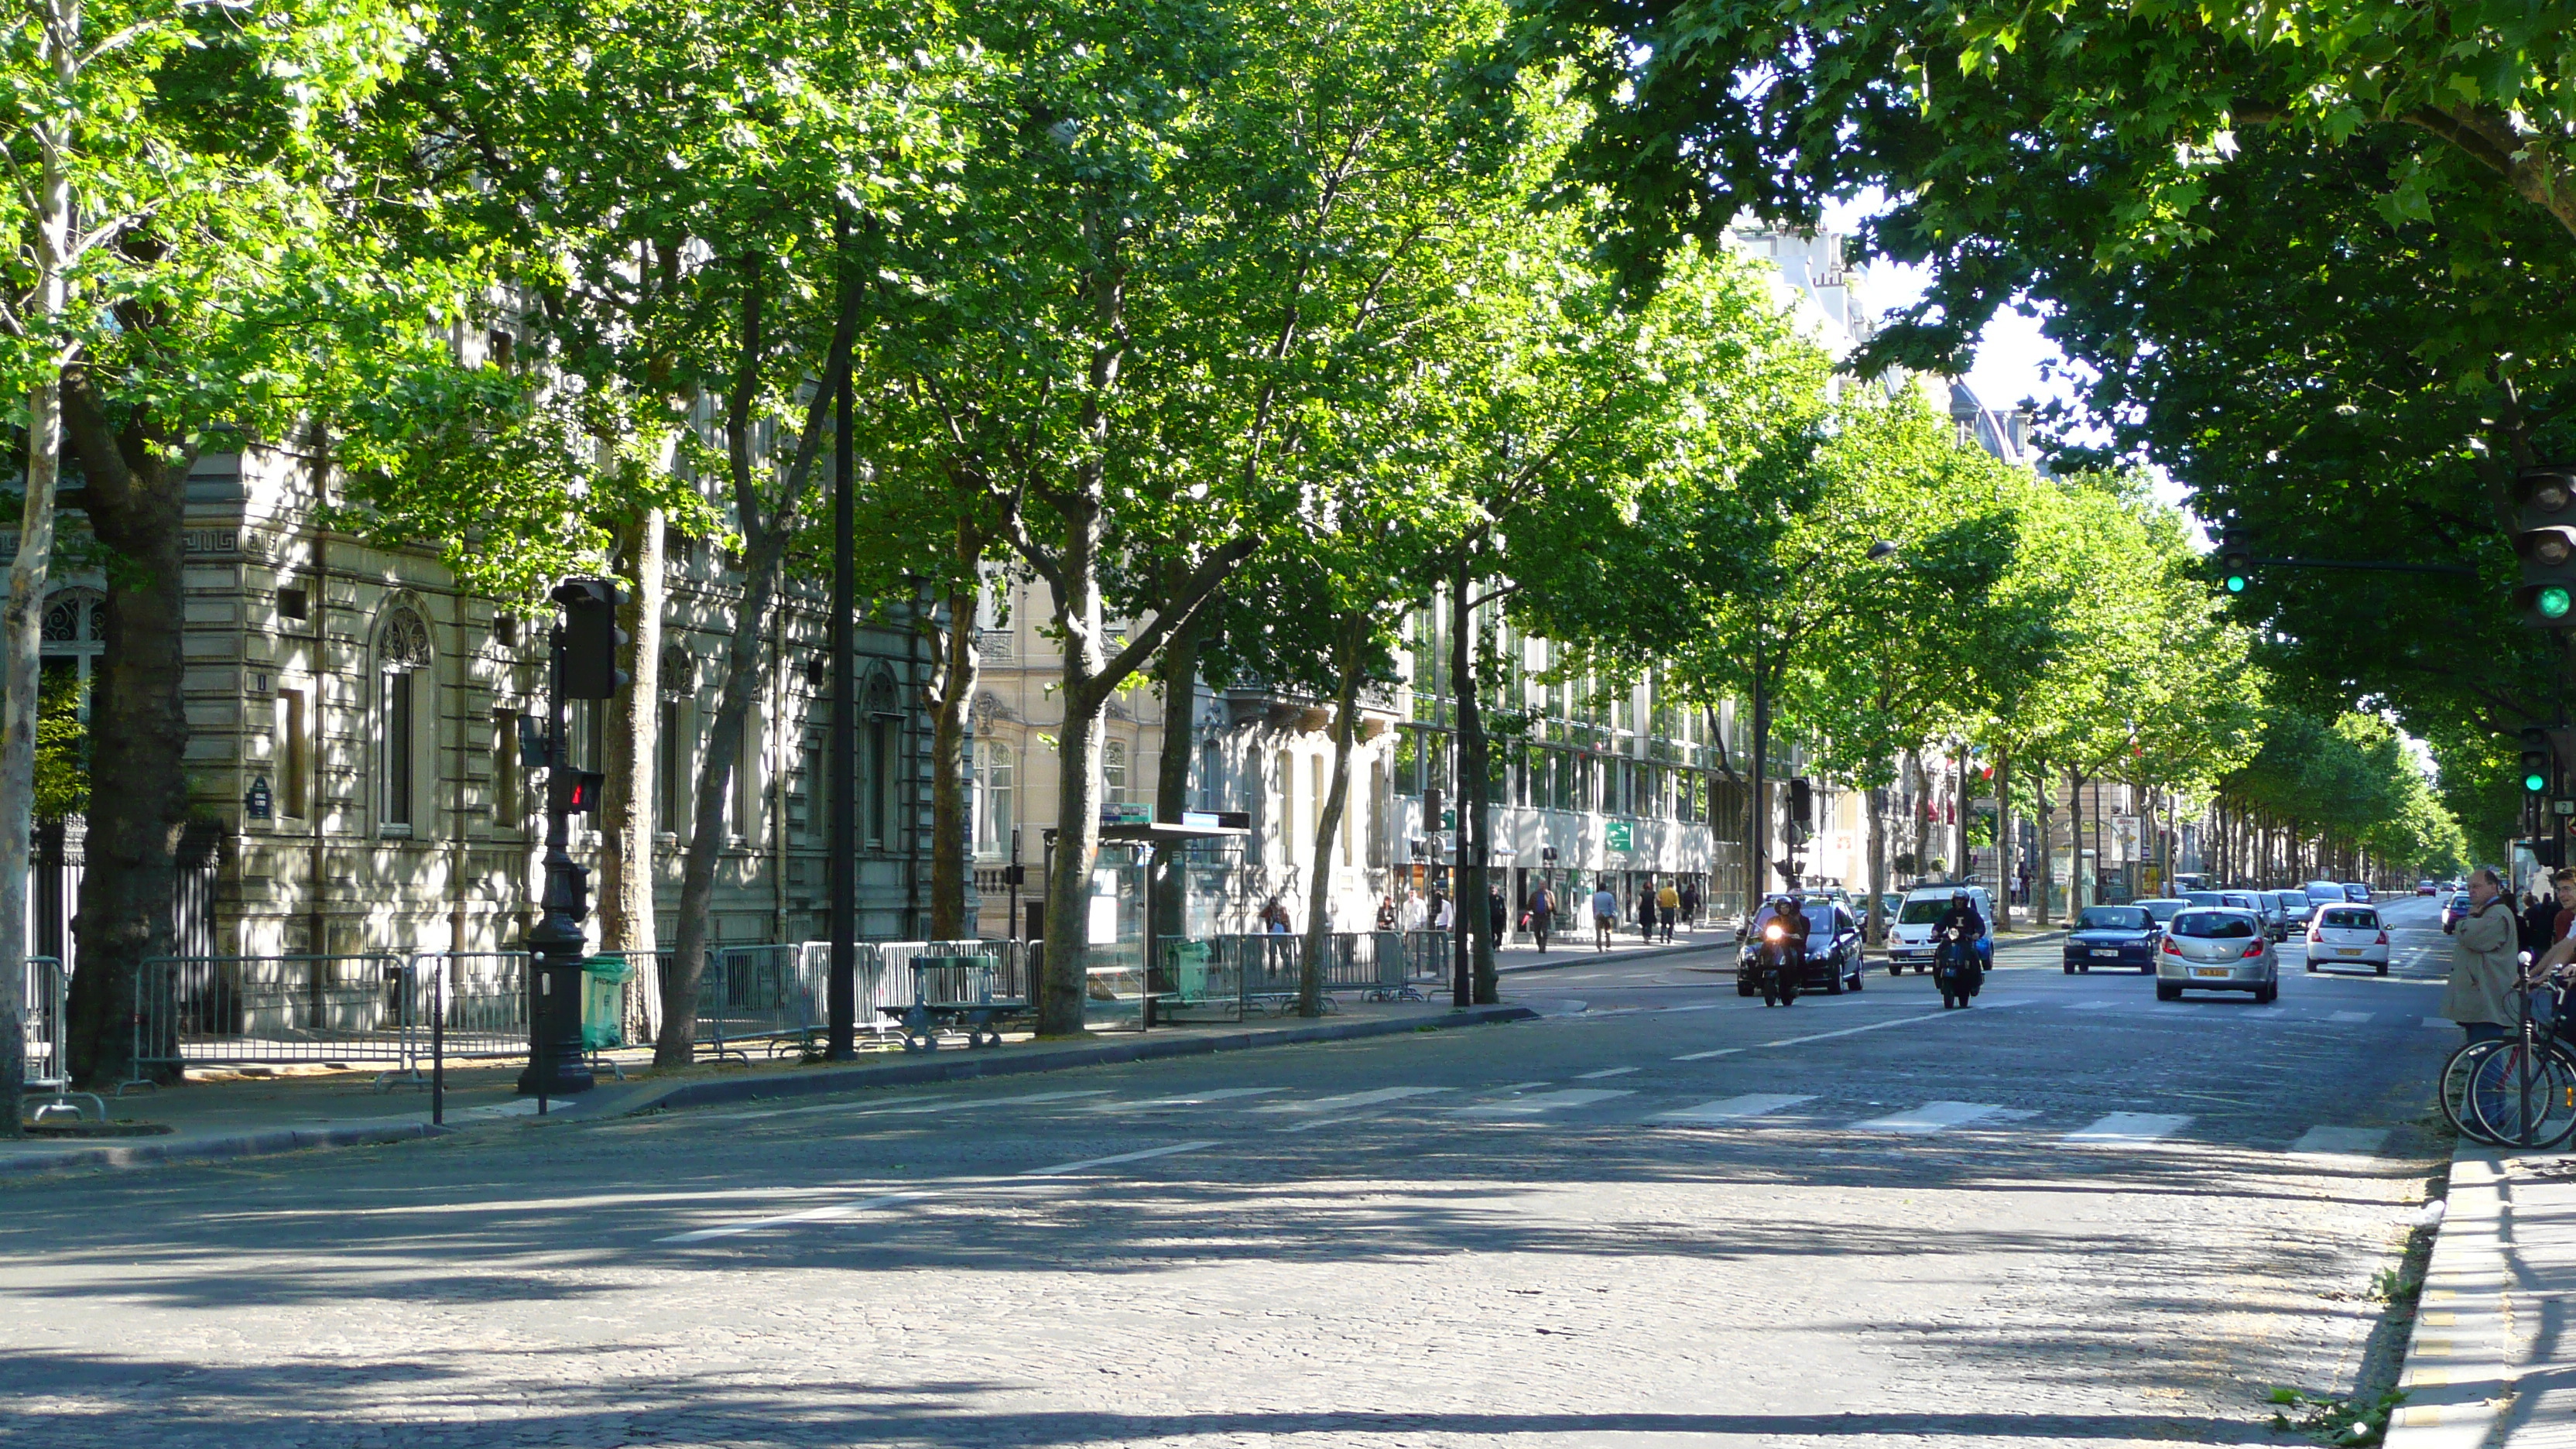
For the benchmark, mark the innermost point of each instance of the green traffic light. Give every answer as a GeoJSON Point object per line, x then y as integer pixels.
{"type": "Point", "coordinates": [2535, 782]}
{"type": "Point", "coordinates": [2236, 585]}
{"type": "Point", "coordinates": [2552, 602]}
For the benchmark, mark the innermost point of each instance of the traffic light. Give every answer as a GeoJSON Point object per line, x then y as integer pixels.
{"type": "Point", "coordinates": [592, 640]}
{"type": "Point", "coordinates": [574, 792]}
{"type": "Point", "coordinates": [2545, 540]}
{"type": "Point", "coordinates": [2235, 560]}
{"type": "Point", "coordinates": [2538, 769]}
{"type": "Point", "coordinates": [1802, 802]}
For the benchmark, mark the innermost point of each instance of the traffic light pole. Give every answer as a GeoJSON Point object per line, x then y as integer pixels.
{"type": "Point", "coordinates": [841, 989]}
{"type": "Point", "coordinates": [555, 1067]}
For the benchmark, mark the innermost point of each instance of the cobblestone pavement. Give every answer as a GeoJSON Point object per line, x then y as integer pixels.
{"type": "Point", "coordinates": [2068, 1215]}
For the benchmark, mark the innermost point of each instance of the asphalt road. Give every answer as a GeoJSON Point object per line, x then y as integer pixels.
{"type": "Point", "coordinates": [1661, 1215]}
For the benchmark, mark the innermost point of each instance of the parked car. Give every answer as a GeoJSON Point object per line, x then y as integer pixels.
{"type": "Point", "coordinates": [2162, 909]}
{"type": "Point", "coordinates": [2426, 888]}
{"type": "Point", "coordinates": [2348, 935]}
{"type": "Point", "coordinates": [2216, 950]}
{"type": "Point", "coordinates": [2108, 936]}
{"type": "Point", "coordinates": [2454, 908]}
{"type": "Point", "coordinates": [2357, 893]}
{"type": "Point", "coordinates": [1833, 948]}
{"type": "Point", "coordinates": [1909, 941]}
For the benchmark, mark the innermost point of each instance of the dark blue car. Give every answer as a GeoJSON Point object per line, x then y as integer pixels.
{"type": "Point", "coordinates": [2109, 936]}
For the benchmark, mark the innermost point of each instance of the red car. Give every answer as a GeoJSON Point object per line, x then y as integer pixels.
{"type": "Point", "coordinates": [2427, 888]}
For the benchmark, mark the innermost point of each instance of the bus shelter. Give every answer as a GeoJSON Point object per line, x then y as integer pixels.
{"type": "Point", "coordinates": [1128, 923]}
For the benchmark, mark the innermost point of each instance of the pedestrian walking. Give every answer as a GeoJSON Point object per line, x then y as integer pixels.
{"type": "Point", "coordinates": [1386, 913]}
{"type": "Point", "coordinates": [1690, 904]}
{"type": "Point", "coordinates": [1668, 905]}
{"type": "Point", "coordinates": [2483, 969]}
{"type": "Point", "coordinates": [1542, 908]}
{"type": "Point", "coordinates": [1444, 915]}
{"type": "Point", "coordinates": [1605, 916]}
{"type": "Point", "coordinates": [1646, 912]}
{"type": "Point", "coordinates": [1274, 918]}
{"type": "Point", "coordinates": [1497, 912]}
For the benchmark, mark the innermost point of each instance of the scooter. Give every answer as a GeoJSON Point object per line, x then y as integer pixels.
{"type": "Point", "coordinates": [1780, 972]}
{"type": "Point", "coordinates": [1956, 970]}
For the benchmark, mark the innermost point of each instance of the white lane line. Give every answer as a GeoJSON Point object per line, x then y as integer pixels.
{"type": "Point", "coordinates": [1544, 1102]}
{"type": "Point", "coordinates": [1604, 1072]}
{"type": "Point", "coordinates": [2350, 1016]}
{"type": "Point", "coordinates": [855, 1109]}
{"type": "Point", "coordinates": [2440, 1023]}
{"type": "Point", "coordinates": [1065, 1167]}
{"type": "Point", "coordinates": [1729, 1109]}
{"type": "Point", "coordinates": [2340, 1141]}
{"type": "Point", "coordinates": [2127, 1129]}
{"type": "Point", "coordinates": [809, 1215]}
{"type": "Point", "coordinates": [2268, 1012]}
{"type": "Point", "coordinates": [1850, 1030]}
{"type": "Point", "coordinates": [998, 1102]}
{"type": "Point", "coordinates": [1194, 1099]}
{"type": "Point", "coordinates": [1929, 1118]}
{"type": "Point", "coordinates": [1353, 1099]}
{"type": "Point", "coordinates": [2091, 1005]}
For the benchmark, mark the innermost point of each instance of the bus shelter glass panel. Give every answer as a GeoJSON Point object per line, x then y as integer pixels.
{"type": "Point", "coordinates": [1113, 920]}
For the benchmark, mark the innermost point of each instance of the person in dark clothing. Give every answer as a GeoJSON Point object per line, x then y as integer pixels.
{"type": "Point", "coordinates": [1972, 926]}
{"type": "Point", "coordinates": [1500, 916]}
{"type": "Point", "coordinates": [2540, 923]}
{"type": "Point", "coordinates": [1690, 906]}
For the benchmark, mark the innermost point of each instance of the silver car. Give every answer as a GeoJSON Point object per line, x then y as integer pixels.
{"type": "Point", "coordinates": [2217, 949]}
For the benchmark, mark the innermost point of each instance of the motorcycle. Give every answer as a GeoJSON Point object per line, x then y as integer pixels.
{"type": "Point", "coordinates": [1955, 969]}
{"type": "Point", "coordinates": [1782, 961]}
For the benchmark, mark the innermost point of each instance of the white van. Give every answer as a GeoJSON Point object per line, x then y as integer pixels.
{"type": "Point", "coordinates": [1909, 941]}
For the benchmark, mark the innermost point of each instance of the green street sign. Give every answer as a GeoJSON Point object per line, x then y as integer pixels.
{"type": "Point", "coordinates": [1619, 834]}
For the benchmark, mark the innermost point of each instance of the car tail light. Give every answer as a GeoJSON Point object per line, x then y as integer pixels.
{"type": "Point", "coordinates": [2383, 938]}
{"type": "Point", "coordinates": [2254, 950]}
{"type": "Point", "coordinates": [2170, 948]}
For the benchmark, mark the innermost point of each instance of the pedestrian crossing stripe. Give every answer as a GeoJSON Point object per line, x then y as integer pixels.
{"type": "Point", "coordinates": [2340, 1141]}
{"type": "Point", "coordinates": [1731, 1109]}
{"type": "Point", "coordinates": [2128, 1129]}
{"type": "Point", "coordinates": [2350, 1016]}
{"type": "Point", "coordinates": [1929, 1118]}
{"type": "Point", "coordinates": [1544, 1102]}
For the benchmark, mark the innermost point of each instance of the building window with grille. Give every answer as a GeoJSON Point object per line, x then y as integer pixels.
{"type": "Point", "coordinates": [1113, 773]}
{"type": "Point", "coordinates": [402, 656]}
{"type": "Point", "coordinates": [882, 739]}
{"type": "Point", "coordinates": [995, 783]}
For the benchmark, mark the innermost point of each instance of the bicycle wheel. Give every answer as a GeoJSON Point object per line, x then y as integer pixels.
{"type": "Point", "coordinates": [2524, 1096]}
{"type": "Point", "coordinates": [2456, 1074]}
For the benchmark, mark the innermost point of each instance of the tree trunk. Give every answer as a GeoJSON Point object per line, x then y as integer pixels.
{"type": "Point", "coordinates": [1177, 673]}
{"type": "Point", "coordinates": [628, 800]}
{"type": "Point", "coordinates": [138, 726]}
{"type": "Point", "coordinates": [22, 622]}
{"type": "Point", "coordinates": [1757, 807]}
{"type": "Point", "coordinates": [1077, 839]}
{"type": "Point", "coordinates": [766, 533]}
{"type": "Point", "coordinates": [2076, 879]}
{"type": "Point", "coordinates": [2004, 842]}
{"type": "Point", "coordinates": [1876, 919]}
{"type": "Point", "coordinates": [1319, 891]}
{"type": "Point", "coordinates": [1475, 783]}
{"type": "Point", "coordinates": [951, 792]}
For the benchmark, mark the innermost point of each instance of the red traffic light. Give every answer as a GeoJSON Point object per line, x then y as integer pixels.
{"type": "Point", "coordinates": [574, 792]}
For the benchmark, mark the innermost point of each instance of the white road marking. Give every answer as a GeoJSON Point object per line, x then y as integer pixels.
{"type": "Point", "coordinates": [810, 1215]}
{"type": "Point", "coordinates": [855, 1109]}
{"type": "Point", "coordinates": [1604, 1072]}
{"type": "Point", "coordinates": [1544, 1102]}
{"type": "Point", "coordinates": [1929, 1118]}
{"type": "Point", "coordinates": [997, 1102]}
{"type": "Point", "coordinates": [1848, 1031]}
{"type": "Point", "coordinates": [2127, 1129]}
{"type": "Point", "coordinates": [2091, 1005]}
{"type": "Point", "coordinates": [2440, 1023]}
{"type": "Point", "coordinates": [2340, 1141]}
{"type": "Point", "coordinates": [1729, 1109]}
{"type": "Point", "coordinates": [1353, 1099]}
{"type": "Point", "coordinates": [1194, 1099]}
{"type": "Point", "coordinates": [2350, 1016]}
{"type": "Point", "coordinates": [1065, 1167]}
{"type": "Point", "coordinates": [1704, 1056]}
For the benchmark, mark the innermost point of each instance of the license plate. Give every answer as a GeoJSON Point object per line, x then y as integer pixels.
{"type": "Point", "coordinates": [2211, 971]}
{"type": "Point", "coordinates": [2114, 955]}
{"type": "Point", "coordinates": [2347, 950]}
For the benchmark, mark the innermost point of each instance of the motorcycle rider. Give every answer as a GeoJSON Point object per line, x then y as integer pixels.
{"type": "Point", "coordinates": [1791, 913]}
{"type": "Point", "coordinates": [1972, 927]}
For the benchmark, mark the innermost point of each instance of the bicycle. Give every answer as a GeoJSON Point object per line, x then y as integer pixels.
{"type": "Point", "coordinates": [2520, 1090]}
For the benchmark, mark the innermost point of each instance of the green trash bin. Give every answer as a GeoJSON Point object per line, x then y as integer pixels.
{"type": "Point", "coordinates": [603, 1002]}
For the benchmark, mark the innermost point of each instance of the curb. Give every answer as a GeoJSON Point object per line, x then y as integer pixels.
{"type": "Point", "coordinates": [966, 1065]}
{"type": "Point", "coordinates": [2458, 1375]}
{"type": "Point", "coordinates": [212, 1149]}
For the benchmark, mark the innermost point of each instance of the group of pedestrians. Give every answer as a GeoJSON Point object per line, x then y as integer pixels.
{"type": "Point", "coordinates": [1659, 911]}
{"type": "Point", "coordinates": [2491, 942]}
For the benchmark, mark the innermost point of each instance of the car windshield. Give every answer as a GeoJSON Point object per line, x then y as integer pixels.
{"type": "Point", "coordinates": [2213, 925]}
{"type": "Point", "coordinates": [2350, 920]}
{"type": "Point", "coordinates": [1820, 917]}
{"type": "Point", "coordinates": [2113, 918]}
{"type": "Point", "coordinates": [2161, 910]}
{"type": "Point", "coordinates": [2202, 898]}
{"type": "Point", "coordinates": [1923, 911]}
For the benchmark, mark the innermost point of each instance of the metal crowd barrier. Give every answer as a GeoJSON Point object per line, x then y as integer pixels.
{"type": "Point", "coordinates": [1242, 975]}
{"type": "Point", "coordinates": [779, 996]}
{"type": "Point", "coordinates": [48, 1006]}
{"type": "Point", "coordinates": [271, 1010]}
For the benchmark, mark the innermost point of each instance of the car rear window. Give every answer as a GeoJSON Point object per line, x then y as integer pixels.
{"type": "Point", "coordinates": [2213, 925]}
{"type": "Point", "coordinates": [2203, 898]}
{"type": "Point", "coordinates": [2161, 910]}
{"type": "Point", "coordinates": [2112, 918]}
{"type": "Point", "coordinates": [2352, 920]}
{"type": "Point", "coordinates": [1922, 913]}
{"type": "Point", "coordinates": [2242, 901]}
{"type": "Point", "coordinates": [2295, 900]}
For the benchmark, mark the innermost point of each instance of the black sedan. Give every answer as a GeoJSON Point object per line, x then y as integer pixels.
{"type": "Point", "coordinates": [1833, 949]}
{"type": "Point", "coordinates": [2109, 936]}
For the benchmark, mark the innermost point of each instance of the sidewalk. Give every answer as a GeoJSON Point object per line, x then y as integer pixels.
{"type": "Point", "coordinates": [2490, 1362]}
{"type": "Point", "coordinates": [250, 1116]}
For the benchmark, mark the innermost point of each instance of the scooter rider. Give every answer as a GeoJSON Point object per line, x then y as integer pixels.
{"type": "Point", "coordinates": [1790, 954]}
{"type": "Point", "coordinates": [1972, 928]}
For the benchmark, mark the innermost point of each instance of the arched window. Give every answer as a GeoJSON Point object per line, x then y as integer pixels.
{"type": "Point", "coordinates": [402, 654]}
{"type": "Point", "coordinates": [995, 782]}
{"type": "Point", "coordinates": [1211, 774]}
{"type": "Point", "coordinates": [881, 745]}
{"type": "Point", "coordinates": [1113, 772]}
{"type": "Point", "coordinates": [673, 748]}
